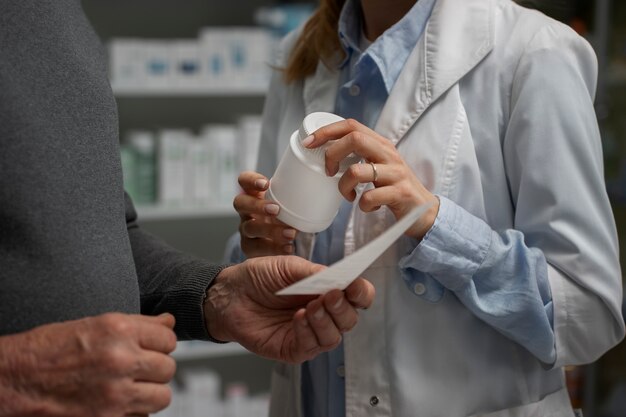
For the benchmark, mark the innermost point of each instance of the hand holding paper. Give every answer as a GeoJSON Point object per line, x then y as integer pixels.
{"type": "Point", "coordinates": [341, 274]}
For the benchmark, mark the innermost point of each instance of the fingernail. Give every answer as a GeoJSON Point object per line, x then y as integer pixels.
{"type": "Point", "coordinates": [308, 140]}
{"type": "Point", "coordinates": [338, 304]}
{"type": "Point", "coordinates": [288, 249]}
{"type": "Point", "coordinates": [305, 323]}
{"type": "Point", "coordinates": [289, 234]}
{"type": "Point", "coordinates": [319, 314]}
{"type": "Point", "coordinates": [272, 208]}
{"type": "Point", "coordinates": [357, 298]}
{"type": "Point", "coordinates": [260, 184]}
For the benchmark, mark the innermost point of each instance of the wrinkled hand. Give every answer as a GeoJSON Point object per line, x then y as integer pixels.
{"type": "Point", "coordinates": [261, 233]}
{"type": "Point", "coordinates": [113, 365]}
{"type": "Point", "coordinates": [395, 186]}
{"type": "Point", "coordinates": [242, 306]}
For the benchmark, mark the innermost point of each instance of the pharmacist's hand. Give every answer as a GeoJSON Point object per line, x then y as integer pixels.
{"type": "Point", "coordinates": [242, 306]}
{"type": "Point", "coordinates": [395, 184]}
{"type": "Point", "coordinates": [261, 233]}
{"type": "Point", "coordinates": [114, 365]}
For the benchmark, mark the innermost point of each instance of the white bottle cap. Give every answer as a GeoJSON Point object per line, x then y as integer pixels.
{"type": "Point", "coordinates": [314, 121]}
{"type": "Point", "coordinates": [308, 198]}
{"type": "Point", "coordinates": [317, 156]}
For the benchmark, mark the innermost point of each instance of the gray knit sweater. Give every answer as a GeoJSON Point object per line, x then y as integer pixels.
{"type": "Point", "coordinates": [69, 243]}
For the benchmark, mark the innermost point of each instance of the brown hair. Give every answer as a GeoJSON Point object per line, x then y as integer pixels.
{"type": "Point", "coordinates": [319, 41]}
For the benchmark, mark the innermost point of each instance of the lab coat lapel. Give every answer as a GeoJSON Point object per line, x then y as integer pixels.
{"type": "Point", "coordinates": [320, 90]}
{"type": "Point", "coordinates": [459, 34]}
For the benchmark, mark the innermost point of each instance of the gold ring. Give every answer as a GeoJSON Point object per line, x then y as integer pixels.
{"type": "Point", "coordinates": [374, 171]}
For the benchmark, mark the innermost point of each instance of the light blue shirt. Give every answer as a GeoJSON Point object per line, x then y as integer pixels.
{"type": "Point", "coordinates": [367, 78]}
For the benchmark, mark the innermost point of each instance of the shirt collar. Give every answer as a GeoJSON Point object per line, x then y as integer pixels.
{"type": "Point", "coordinates": [391, 50]}
{"type": "Point", "coordinates": [350, 28]}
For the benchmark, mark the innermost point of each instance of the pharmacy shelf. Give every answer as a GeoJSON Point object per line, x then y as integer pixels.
{"type": "Point", "coordinates": [616, 76]}
{"type": "Point", "coordinates": [189, 351]}
{"type": "Point", "coordinates": [157, 212]}
{"type": "Point", "coordinates": [187, 91]}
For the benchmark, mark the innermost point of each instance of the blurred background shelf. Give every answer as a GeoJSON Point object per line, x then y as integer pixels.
{"type": "Point", "coordinates": [616, 76]}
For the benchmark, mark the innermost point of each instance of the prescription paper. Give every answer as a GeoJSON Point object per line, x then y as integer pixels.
{"type": "Point", "coordinates": [341, 274]}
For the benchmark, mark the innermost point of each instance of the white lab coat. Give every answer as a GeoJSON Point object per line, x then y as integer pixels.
{"type": "Point", "coordinates": [494, 111]}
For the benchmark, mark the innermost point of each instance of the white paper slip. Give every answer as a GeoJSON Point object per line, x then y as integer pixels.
{"type": "Point", "coordinates": [341, 274]}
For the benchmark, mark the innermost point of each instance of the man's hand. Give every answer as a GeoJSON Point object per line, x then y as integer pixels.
{"type": "Point", "coordinates": [242, 306]}
{"type": "Point", "coordinates": [112, 365]}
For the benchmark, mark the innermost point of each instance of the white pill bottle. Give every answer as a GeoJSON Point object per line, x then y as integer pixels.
{"type": "Point", "coordinates": [309, 199]}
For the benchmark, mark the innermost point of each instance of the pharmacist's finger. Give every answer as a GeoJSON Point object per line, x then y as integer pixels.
{"type": "Point", "coordinates": [369, 147]}
{"type": "Point", "coordinates": [357, 174]}
{"type": "Point", "coordinates": [253, 183]}
{"type": "Point", "coordinates": [275, 232]}
{"type": "Point", "coordinates": [265, 247]}
{"type": "Point", "coordinates": [372, 200]}
{"type": "Point", "coordinates": [247, 205]}
{"type": "Point", "coordinates": [338, 130]}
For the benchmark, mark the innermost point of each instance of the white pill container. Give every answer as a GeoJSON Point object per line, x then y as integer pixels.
{"type": "Point", "coordinates": [309, 199]}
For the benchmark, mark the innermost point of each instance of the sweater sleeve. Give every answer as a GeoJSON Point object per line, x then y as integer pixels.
{"type": "Point", "coordinates": [169, 280]}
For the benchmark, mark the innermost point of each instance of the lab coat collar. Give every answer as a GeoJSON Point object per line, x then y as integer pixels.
{"type": "Point", "coordinates": [459, 35]}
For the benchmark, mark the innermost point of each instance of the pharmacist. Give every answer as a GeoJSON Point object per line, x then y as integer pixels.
{"type": "Point", "coordinates": [75, 268]}
{"type": "Point", "coordinates": [484, 108]}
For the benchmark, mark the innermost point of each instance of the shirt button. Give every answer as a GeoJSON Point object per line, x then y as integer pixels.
{"type": "Point", "coordinates": [341, 371]}
{"type": "Point", "coordinates": [355, 90]}
{"type": "Point", "coordinates": [419, 288]}
{"type": "Point", "coordinates": [374, 401]}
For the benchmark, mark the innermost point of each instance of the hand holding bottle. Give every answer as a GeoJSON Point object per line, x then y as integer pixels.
{"type": "Point", "coordinates": [261, 233]}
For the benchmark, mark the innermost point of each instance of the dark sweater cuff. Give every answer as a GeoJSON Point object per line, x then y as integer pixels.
{"type": "Point", "coordinates": [190, 313]}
